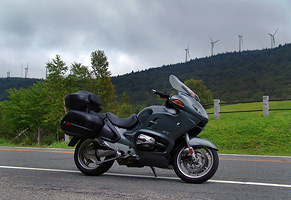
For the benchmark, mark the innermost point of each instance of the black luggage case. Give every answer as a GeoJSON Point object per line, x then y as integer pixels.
{"type": "Point", "coordinates": [82, 101]}
{"type": "Point", "coordinates": [81, 124]}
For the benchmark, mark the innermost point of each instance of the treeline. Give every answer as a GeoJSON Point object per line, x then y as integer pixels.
{"type": "Point", "coordinates": [33, 115]}
{"type": "Point", "coordinates": [246, 75]}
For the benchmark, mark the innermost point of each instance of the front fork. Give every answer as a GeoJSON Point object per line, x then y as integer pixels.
{"type": "Point", "coordinates": [191, 150]}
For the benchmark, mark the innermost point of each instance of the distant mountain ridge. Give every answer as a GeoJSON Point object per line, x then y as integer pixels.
{"type": "Point", "coordinates": [14, 82]}
{"type": "Point", "coordinates": [236, 76]}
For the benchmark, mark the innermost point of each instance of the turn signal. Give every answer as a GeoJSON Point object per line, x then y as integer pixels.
{"type": "Point", "coordinates": [178, 102]}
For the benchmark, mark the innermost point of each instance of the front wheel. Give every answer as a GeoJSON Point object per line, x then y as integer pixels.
{"type": "Point", "coordinates": [198, 169]}
{"type": "Point", "coordinates": [87, 160]}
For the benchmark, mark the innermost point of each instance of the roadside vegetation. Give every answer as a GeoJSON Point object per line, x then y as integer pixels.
{"type": "Point", "coordinates": [251, 133]}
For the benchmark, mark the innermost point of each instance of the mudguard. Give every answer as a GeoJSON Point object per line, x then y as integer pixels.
{"type": "Point", "coordinates": [74, 141]}
{"type": "Point", "coordinates": [198, 141]}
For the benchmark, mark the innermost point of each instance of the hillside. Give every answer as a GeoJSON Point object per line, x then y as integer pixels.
{"type": "Point", "coordinates": [236, 76]}
{"type": "Point", "coordinates": [246, 75]}
{"type": "Point", "coordinates": [17, 83]}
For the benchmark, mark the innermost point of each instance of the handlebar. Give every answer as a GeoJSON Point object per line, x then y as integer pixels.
{"type": "Point", "coordinates": [162, 94]}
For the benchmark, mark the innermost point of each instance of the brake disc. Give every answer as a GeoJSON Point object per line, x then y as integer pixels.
{"type": "Point", "coordinates": [198, 165]}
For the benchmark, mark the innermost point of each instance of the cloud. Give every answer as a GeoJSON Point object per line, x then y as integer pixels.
{"type": "Point", "coordinates": [135, 35]}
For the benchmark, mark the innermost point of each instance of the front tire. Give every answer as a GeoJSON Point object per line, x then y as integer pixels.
{"type": "Point", "coordinates": [87, 161]}
{"type": "Point", "coordinates": [195, 171]}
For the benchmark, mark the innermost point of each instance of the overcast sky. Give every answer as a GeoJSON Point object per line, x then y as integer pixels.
{"type": "Point", "coordinates": [135, 34]}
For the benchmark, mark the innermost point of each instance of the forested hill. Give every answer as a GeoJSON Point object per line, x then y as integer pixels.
{"type": "Point", "coordinates": [246, 75]}
{"type": "Point", "coordinates": [17, 83]}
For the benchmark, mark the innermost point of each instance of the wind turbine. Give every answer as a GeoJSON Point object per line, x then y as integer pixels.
{"type": "Point", "coordinates": [187, 53]}
{"type": "Point", "coordinates": [26, 71]}
{"type": "Point", "coordinates": [212, 45]}
{"type": "Point", "coordinates": [273, 39]}
{"type": "Point", "coordinates": [240, 42]}
{"type": "Point", "coordinates": [8, 74]}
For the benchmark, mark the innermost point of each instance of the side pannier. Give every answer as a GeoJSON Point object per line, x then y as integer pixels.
{"type": "Point", "coordinates": [81, 124]}
{"type": "Point", "coordinates": [82, 101]}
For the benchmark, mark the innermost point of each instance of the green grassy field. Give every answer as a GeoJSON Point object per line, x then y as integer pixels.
{"type": "Point", "coordinates": [251, 133]}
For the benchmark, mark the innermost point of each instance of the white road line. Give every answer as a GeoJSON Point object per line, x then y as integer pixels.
{"type": "Point", "coordinates": [262, 156]}
{"type": "Point", "coordinates": [251, 183]}
{"type": "Point", "coordinates": [145, 176]}
{"type": "Point", "coordinates": [39, 169]}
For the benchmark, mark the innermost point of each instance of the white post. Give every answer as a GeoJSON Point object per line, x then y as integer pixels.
{"type": "Point", "coordinates": [216, 109]}
{"type": "Point", "coordinates": [67, 138]}
{"type": "Point", "coordinates": [266, 106]}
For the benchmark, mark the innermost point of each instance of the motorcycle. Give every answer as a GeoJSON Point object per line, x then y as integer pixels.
{"type": "Point", "coordinates": [158, 136]}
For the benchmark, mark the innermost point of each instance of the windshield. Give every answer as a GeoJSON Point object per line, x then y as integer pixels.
{"type": "Point", "coordinates": [178, 85]}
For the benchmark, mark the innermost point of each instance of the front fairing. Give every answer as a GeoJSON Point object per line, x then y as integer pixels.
{"type": "Point", "coordinates": [190, 101]}
{"type": "Point", "coordinates": [192, 107]}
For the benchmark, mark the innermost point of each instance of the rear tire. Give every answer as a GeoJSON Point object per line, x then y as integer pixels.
{"type": "Point", "coordinates": [195, 171]}
{"type": "Point", "coordinates": [86, 159]}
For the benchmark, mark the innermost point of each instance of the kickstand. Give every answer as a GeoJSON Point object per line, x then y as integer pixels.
{"type": "Point", "coordinates": [154, 171]}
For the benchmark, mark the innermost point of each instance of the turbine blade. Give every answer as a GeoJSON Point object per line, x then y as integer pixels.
{"type": "Point", "coordinates": [276, 31]}
{"type": "Point", "coordinates": [211, 39]}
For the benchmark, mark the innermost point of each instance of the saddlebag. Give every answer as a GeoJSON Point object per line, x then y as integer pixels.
{"type": "Point", "coordinates": [81, 124]}
{"type": "Point", "coordinates": [82, 101]}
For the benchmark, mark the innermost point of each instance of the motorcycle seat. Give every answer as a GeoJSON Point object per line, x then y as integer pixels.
{"type": "Point", "coordinates": [122, 122]}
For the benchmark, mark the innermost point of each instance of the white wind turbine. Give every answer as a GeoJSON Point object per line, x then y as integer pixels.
{"type": "Point", "coordinates": [212, 45]}
{"type": "Point", "coordinates": [240, 42]}
{"type": "Point", "coordinates": [273, 39]}
{"type": "Point", "coordinates": [26, 71]}
{"type": "Point", "coordinates": [187, 53]}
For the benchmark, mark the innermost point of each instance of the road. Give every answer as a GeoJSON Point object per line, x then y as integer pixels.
{"type": "Point", "coordinates": [30, 173]}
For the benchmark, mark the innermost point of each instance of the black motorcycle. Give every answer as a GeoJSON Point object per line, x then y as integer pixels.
{"type": "Point", "coordinates": [158, 136]}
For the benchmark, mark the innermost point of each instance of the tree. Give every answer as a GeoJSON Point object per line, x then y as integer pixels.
{"type": "Point", "coordinates": [80, 71]}
{"type": "Point", "coordinates": [79, 77]}
{"type": "Point", "coordinates": [100, 65]}
{"type": "Point", "coordinates": [25, 110]}
{"type": "Point", "coordinates": [200, 89]}
{"type": "Point", "coordinates": [125, 110]}
{"type": "Point", "coordinates": [125, 98]}
{"type": "Point", "coordinates": [101, 84]}
{"type": "Point", "coordinates": [58, 86]}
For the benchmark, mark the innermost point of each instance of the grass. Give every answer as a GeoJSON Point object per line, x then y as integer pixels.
{"type": "Point", "coordinates": [62, 144]}
{"type": "Point", "coordinates": [251, 133]}
{"type": "Point", "coordinates": [241, 133]}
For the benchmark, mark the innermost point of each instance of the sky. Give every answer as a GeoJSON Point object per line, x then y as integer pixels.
{"type": "Point", "coordinates": [134, 34]}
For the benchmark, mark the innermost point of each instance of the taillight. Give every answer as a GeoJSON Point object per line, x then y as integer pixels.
{"type": "Point", "coordinates": [178, 102]}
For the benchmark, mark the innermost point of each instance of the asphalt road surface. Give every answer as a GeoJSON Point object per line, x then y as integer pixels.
{"type": "Point", "coordinates": [30, 173]}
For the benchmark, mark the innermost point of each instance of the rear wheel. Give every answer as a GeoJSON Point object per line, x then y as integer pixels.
{"type": "Point", "coordinates": [196, 170]}
{"type": "Point", "coordinates": [87, 160]}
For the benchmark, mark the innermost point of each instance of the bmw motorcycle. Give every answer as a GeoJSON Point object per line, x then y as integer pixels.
{"type": "Point", "coordinates": [158, 136]}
